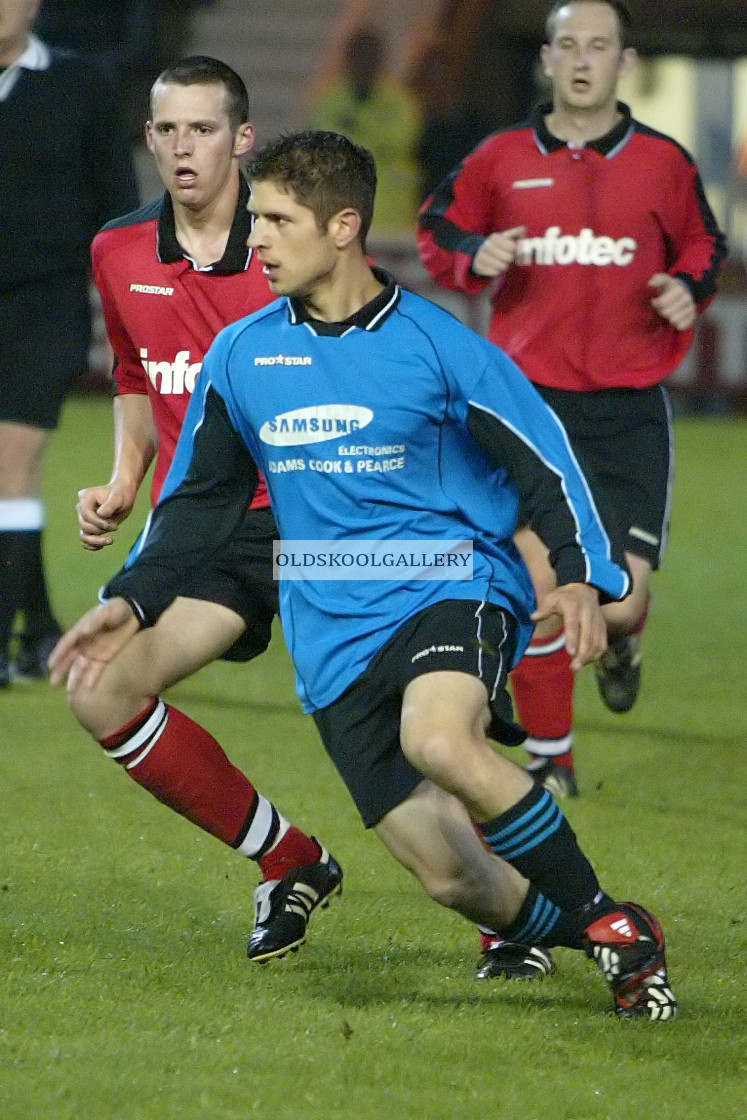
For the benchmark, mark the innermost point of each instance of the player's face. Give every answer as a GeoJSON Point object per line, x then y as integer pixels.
{"type": "Point", "coordinates": [16, 17]}
{"type": "Point", "coordinates": [585, 59]}
{"type": "Point", "coordinates": [195, 148]}
{"type": "Point", "coordinates": [297, 256]}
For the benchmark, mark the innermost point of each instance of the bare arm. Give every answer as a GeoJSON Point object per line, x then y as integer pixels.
{"type": "Point", "coordinates": [101, 509]}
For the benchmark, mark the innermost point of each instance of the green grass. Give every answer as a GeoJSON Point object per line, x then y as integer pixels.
{"type": "Point", "coordinates": [125, 989]}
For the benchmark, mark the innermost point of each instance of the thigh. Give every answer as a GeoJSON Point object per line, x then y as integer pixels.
{"type": "Point", "coordinates": [470, 645]}
{"type": "Point", "coordinates": [445, 705]}
{"type": "Point", "coordinates": [21, 458]}
{"type": "Point", "coordinates": [621, 618]}
{"type": "Point", "coordinates": [536, 556]}
{"type": "Point", "coordinates": [187, 636]}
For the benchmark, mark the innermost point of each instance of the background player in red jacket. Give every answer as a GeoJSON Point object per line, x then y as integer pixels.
{"type": "Point", "coordinates": [171, 275]}
{"type": "Point", "coordinates": [596, 237]}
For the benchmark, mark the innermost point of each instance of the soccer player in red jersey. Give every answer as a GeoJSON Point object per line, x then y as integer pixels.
{"type": "Point", "coordinates": [171, 275]}
{"type": "Point", "coordinates": [595, 236]}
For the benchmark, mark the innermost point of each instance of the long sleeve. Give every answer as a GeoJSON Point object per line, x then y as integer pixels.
{"type": "Point", "coordinates": [212, 481]}
{"type": "Point", "coordinates": [697, 243]}
{"type": "Point", "coordinates": [509, 419]}
{"type": "Point", "coordinates": [455, 221]}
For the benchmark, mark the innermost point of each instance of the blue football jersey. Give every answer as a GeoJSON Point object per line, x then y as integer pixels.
{"type": "Point", "coordinates": [398, 425]}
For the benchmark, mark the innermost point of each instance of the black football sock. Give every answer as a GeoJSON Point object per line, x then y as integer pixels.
{"type": "Point", "coordinates": [14, 560]}
{"type": "Point", "coordinates": [37, 608]}
{"type": "Point", "coordinates": [541, 922]}
{"type": "Point", "coordinates": [535, 838]}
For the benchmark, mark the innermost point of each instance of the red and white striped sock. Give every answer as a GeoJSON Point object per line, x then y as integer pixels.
{"type": "Point", "coordinates": [185, 768]}
{"type": "Point", "coordinates": [542, 685]}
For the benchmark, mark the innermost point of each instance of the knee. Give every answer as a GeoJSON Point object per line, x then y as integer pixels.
{"type": "Point", "coordinates": [88, 706]}
{"type": "Point", "coordinates": [431, 751]}
{"type": "Point", "coordinates": [105, 708]}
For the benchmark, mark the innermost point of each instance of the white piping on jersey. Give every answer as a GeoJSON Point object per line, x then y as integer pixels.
{"type": "Point", "coordinates": [619, 147]}
{"type": "Point", "coordinates": [385, 310]}
{"type": "Point", "coordinates": [561, 478]}
{"type": "Point", "coordinates": [527, 184]}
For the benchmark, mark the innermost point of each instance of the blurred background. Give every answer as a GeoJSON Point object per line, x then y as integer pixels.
{"type": "Point", "coordinates": [458, 70]}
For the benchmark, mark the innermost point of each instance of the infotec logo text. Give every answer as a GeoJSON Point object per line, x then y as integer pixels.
{"type": "Point", "coordinates": [556, 247]}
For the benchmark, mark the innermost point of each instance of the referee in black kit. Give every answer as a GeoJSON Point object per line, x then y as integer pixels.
{"type": "Point", "coordinates": [65, 168]}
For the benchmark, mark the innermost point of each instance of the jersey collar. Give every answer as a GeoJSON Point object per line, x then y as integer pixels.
{"type": "Point", "coordinates": [237, 256]}
{"type": "Point", "coordinates": [369, 318]}
{"type": "Point", "coordinates": [608, 145]}
{"type": "Point", "coordinates": [36, 56]}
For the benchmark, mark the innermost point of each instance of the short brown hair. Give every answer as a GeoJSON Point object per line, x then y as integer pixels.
{"type": "Point", "coordinates": [202, 70]}
{"type": "Point", "coordinates": [325, 171]}
{"type": "Point", "coordinates": [624, 17]}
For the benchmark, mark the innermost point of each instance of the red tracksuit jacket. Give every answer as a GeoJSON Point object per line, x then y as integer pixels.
{"type": "Point", "coordinates": [573, 311]}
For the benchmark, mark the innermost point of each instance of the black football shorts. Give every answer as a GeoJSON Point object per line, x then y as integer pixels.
{"type": "Point", "coordinates": [45, 332]}
{"type": "Point", "coordinates": [240, 577]}
{"type": "Point", "coordinates": [360, 730]}
{"type": "Point", "coordinates": [624, 438]}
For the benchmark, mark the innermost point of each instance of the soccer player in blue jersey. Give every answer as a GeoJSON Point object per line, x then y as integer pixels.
{"type": "Point", "coordinates": [377, 417]}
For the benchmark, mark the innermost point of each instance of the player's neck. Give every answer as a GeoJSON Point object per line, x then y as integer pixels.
{"type": "Point", "coordinates": [12, 49]}
{"type": "Point", "coordinates": [203, 233]}
{"type": "Point", "coordinates": [343, 292]}
{"type": "Point", "coordinates": [579, 126]}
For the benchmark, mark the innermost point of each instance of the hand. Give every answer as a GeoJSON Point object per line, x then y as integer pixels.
{"type": "Point", "coordinates": [583, 622]}
{"type": "Point", "coordinates": [497, 252]}
{"type": "Point", "coordinates": [82, 654]}
{"type": "Point", "coordinates": [674, 301]}
{"type": "Point", "coordinates": [101, 509]}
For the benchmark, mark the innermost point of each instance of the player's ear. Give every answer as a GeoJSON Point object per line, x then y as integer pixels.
{"type": "Point", "coordinates": [244, 139]}
{"type": "Point", "coordinates": [545, 56]}
{"type": "Point", "coordinates": [149, 135]}
{"type": "Point", "coordinates": [628, 60]}
{"type": "Point", "coordinates": [344, 227]}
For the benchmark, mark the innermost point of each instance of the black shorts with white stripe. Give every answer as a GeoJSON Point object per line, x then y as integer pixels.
{"type": "Point", "coordinates": [624, 441]}
{"type": "Point", "coordinates": [360, 730]}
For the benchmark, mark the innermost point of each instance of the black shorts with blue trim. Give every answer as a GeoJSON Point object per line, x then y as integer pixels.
{"type": "Point", "coordinates": [361, 729]}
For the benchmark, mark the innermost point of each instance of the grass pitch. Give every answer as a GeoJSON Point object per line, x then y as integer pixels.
{"type": "Point", "coordinates": [125, 990]}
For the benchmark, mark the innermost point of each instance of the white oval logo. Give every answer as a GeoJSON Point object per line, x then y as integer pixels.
{"type": "Point", "coordinates": [315, 424]}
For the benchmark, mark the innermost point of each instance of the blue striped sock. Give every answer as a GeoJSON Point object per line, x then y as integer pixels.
{"type": "Point", "coordinates": [535, 838]}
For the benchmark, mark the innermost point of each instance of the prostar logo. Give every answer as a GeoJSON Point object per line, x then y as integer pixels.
{"type": "Point", "coordinates": [315, 424]}
{"type": "Point", "coordinates": [283, 360]}
{"type": "Point", "coordinates": [151, 290]}
{"type": "Point", "coordinates": [176, 377]}
{"type": "Point", "coordinates": [555, 247]}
